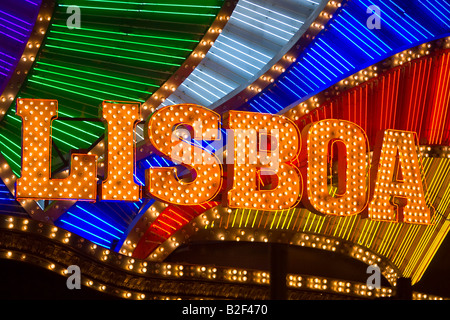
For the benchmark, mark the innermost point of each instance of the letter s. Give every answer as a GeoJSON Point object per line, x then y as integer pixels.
{"type": "Point", "coordinates": [206, 171]}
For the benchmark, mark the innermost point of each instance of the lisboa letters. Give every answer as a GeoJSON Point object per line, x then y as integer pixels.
{"type": "Point", "coordinates": [268, 164]}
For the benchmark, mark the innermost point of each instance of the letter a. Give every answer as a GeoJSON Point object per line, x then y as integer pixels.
{"type": "Point", "coordinates": [398, 191]}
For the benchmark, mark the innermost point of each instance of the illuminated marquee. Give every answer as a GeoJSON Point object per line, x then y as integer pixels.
{"type": "Point", "coordinates": [300, 166]}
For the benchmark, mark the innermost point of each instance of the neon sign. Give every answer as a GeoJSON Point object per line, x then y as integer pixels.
{"type": "Point", "coordinates": [326, 167]}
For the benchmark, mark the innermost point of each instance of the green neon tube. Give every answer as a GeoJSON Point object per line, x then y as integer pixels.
{"type": "Point", "coordinates": [89, 80]}
{"type": "Point", "coordinates": [87, 88]}
{"type": "Point", "coordinates": [131, 34]}
{"type": "Point", "coordinates": [115, 48]}
{"type": "Point", "coordinates": [146, 11]}
{"type": "Point", "coordinates": [122, 41]}
{"type": "Point", "coordinates": [112, 55]}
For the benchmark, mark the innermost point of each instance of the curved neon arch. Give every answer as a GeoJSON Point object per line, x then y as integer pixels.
{"type": "Point", "coordinates": [257, 35]}
{"type": "Point", "coordinates": [347, 45]}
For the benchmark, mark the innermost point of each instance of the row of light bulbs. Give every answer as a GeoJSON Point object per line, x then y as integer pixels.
{"type": "Point", "coordinates": [175, 270]}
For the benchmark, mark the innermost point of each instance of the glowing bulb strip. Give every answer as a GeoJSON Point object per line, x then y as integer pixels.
{"type": "Point", "coordinates": [173, 219]}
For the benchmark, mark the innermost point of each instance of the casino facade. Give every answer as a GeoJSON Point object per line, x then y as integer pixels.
{"type": "Point", "coordinates": [377, 66]}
